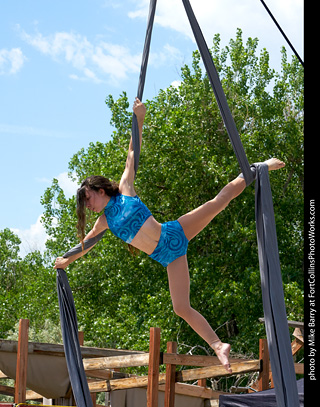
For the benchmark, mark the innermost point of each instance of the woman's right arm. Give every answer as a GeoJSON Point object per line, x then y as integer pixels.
{"type": "Point", "coordinates": [127, 180]}
{"type": "Point", "coordinates": [100, 225]}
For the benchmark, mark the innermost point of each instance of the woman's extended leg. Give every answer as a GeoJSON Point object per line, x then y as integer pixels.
{"type": "Point", "coordinates": [179, 285]}
{"type": "Point", "coordinates": [196, 220]}
{"type": "Point", "coordinates": [178, 271]}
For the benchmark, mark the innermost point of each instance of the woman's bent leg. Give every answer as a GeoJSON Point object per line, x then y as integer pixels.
{"type": "Point", "coordinates": [179, 285]}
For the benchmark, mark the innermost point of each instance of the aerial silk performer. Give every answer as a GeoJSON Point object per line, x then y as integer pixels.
{"type": "Point", "coordinates": [129, 219]}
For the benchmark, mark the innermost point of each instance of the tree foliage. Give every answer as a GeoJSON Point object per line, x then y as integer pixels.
{"type": "Point", "coordinates": [27, 288]}
{"type": "Point", "coordinates": [186, 159]}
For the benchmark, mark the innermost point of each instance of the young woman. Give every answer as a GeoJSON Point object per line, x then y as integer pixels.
{"type": "Point", "coordinates": [129, 219]}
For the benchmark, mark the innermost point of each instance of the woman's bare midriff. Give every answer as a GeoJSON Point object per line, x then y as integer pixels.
{"type": "Point", "coordinates": [148, 236]}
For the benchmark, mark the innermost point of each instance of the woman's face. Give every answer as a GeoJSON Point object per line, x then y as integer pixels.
{"type": "Point", "coordinates": [96, 200]}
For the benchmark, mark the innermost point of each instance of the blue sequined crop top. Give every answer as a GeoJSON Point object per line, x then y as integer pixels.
{"type": "Point", "coordinates": [125, 216]}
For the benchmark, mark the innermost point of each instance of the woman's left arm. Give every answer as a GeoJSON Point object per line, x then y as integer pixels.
{"type": "Point", "coordinates": [127, 179]}
{"type": "Point", "coordinates": [100, 225]}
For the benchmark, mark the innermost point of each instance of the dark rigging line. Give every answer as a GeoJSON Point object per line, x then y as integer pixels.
{"type": "Point", "coordinates": [282, 32]}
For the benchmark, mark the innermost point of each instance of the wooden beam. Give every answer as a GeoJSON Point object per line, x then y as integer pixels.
{"type": "Point", "coordinates": [293, 324]}
{"type": "Point", "coordinates": [153, 371]}
{"type": "Point", "coordinates": [58, 350]}
{"type": "Point", "coordinates": [120, 384]}
{"type": "Point", "coordinates": [22, 362]}
{"type": "Point", "coordinates": [194, 391]}
{"type": "Point", "coordinates": [299, 368]}
{"type": "Point", "coordinates": [6, 390]}
{"type": "Point", "coordinates": [194, 360]}
{"type": "Point", "coordinates": [184, 375]}
{"type": "Point", "coordinates": [142, 359]}
{"type": "Point", "coordinates": [217, 371]}
{"type": "Point", "coordinates": [106, 374]}
{"type": "Point", "coordinates": [115, 362]}
{"type": "Point", "coordinates": [296, 345]}
{"type": "Point", "coordinates": [170, 377]}
{"type": "Point", "coordinates": [298, 333]}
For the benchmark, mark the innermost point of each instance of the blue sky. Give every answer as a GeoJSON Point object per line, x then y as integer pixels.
{"type": "Point", "coordinates": [59, 60]}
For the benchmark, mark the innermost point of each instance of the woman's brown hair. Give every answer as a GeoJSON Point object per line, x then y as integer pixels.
{"type": "Point", "coordinates": [95, 182]}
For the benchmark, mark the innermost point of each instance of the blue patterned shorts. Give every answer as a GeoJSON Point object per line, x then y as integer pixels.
{"type": "Point", "coordinates": [172, 243]}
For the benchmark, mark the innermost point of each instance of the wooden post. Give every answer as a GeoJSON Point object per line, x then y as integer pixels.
{"type": "Point", "coordinates": [202, 382]}
{"type": "Point", "coordinates": [94, 399]}
{"type": "Point", "coordinates": [81, 337]}
{"type": "Point", "coordinates": [22, 362]}
{"type": "Point", "coordinates": [153, 371]}
{"type": "Point", "coordinates": [263, 381]}
{"type": "Point", "coordinates": [170, 377]}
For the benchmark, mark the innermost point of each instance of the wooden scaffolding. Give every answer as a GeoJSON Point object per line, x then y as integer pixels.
{"type": "Point", "coordinates": [102, 367]}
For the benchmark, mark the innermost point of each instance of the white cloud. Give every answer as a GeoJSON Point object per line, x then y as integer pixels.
{"type": "Point", "coordinates": [224, 17]}
{"type": "Point", "coordinates": [176, 84]}
{"type": "Point", "coordinates": [33, 238]}
{"type": "Point", "coordinates": [171, 14]}
{"type": "Point", "coordinates": [100, 61]}
{"type": "Point", "coordinates": [97, 62]}
{"type": "Point", "coordinates": [11, 61]}
{"type": "Point", "coordinates": [112, 3]}
{"type": "Point", "coordinates": [113, 58]}
{"type": "Point", "coordinates": [30, 131]}
{"type": "Point", "coordinates": [142, 9]}
{"type": "Point", "coordinates": [168, 53]}
{"type": "Point", "coordinates": [68, 186]}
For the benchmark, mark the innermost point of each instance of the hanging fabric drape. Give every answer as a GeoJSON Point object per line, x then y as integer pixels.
{"type": "Point", "coordinates": [220, 95]}
{"type": "Point", "coordinates": [143, 70]}
{"type": "Point", "coordinates": [69, 328]}
{"type": "Point", "coordinates": [279, 343]}
{"type": "Point", "coordinates": [271, 281]}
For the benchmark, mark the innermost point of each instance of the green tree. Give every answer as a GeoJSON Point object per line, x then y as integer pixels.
{"type": "Point", "coordinates": [186, 159]}
{"type": "Point", "coordinates": [27, 287]}
{"type": "Point", "coordinates": [9, 276]}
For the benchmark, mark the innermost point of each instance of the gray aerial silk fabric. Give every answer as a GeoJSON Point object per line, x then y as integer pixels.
{"type": "Point", "coordinates": [271, 281]}
{"type": "Point", "coordinates": [276, 324]}
{"type": "Point", "coordinates": [143, 71]}
{"type": "Point", "coordinates": [219, 94]}
{"type": "Point", "coordinates": [69, 328]}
